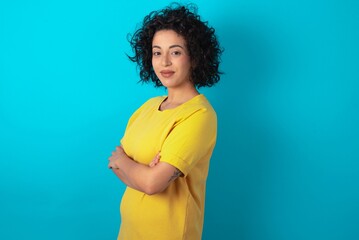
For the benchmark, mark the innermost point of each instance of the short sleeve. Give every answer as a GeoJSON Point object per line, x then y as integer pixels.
{"type": "Point", "coordinates": [191, 140]}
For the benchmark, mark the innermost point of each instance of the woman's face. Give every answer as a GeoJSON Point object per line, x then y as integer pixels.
{"type": "Point", "coordinates": [170, 59]}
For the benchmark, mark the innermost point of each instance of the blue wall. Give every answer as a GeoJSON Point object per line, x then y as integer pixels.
{"type": "Point", "coordinates": [286, 163]}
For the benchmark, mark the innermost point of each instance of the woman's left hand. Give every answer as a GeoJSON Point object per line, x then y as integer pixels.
{"type": "Point", "coordinates": [155, 160]}
{"type": "Point", "coordinates": [116, 158]}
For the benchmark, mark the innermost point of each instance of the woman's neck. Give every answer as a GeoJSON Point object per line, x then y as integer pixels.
{"type": "Point", "coordinates": [177, 97]}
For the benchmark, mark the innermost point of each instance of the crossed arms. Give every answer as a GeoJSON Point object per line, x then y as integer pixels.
{"type": "Point", "coordinates": [151, 179]}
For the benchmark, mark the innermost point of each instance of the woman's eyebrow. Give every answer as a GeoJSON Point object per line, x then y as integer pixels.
{"type": "Point", "coordinates": [176, 45]}
{"type": "Point", "coordinates": [172, 46]}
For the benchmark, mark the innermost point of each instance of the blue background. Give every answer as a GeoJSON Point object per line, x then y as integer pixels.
{"type": "Point", "coordinates": [286, 163]}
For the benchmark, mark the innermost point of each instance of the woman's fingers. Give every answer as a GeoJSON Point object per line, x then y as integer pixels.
{"type": "Point", "coordinates": [155, 160]}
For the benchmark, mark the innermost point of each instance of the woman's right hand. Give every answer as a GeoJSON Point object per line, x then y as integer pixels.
{"type": "Point", "coordinates": [155, 160]}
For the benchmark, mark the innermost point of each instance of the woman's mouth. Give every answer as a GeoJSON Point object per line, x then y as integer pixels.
{"type": "Point", "coordinates": [167, 73]}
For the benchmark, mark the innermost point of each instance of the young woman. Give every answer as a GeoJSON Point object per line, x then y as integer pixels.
{"type": "Point", "coordinates": [165, 151]}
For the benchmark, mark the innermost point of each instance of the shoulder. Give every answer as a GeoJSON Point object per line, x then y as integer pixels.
{"type": "Point", "coordinates": [200, 105]}
{"type": "Point", "coordinates": [206, 105]}
{"type": "Point", "coordinates": [198, 110]}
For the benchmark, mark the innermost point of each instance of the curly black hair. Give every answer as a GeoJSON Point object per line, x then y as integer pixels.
{"type": "Point", "coordinates": [202, 44]}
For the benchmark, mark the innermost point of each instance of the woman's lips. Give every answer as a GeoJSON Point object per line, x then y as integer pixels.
{"type": "Point", "coordinates": [167, 73]}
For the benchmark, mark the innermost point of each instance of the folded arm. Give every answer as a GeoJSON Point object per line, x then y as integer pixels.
{"type": "Point", "coordinates": [151, 179]}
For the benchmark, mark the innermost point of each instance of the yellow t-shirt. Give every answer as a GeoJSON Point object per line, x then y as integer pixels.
{"type": "Point", "coordinates": [185, 136]}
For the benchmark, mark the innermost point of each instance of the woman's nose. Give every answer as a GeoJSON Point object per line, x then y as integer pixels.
{"type": "Point", "coordinates": [165, 61]}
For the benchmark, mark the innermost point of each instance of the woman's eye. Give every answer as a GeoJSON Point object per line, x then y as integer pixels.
{"type": "Point", "coordinates": [156, 53]}
{"type": "Point", "coordinates": [176, 53]}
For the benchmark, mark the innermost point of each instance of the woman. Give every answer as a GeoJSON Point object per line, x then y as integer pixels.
{"type": "Point", "coordinates": [165, 151]}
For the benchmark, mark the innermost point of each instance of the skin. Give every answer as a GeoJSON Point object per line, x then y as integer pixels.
{"type": "Point", "coordinates": [170, 54]}
{"type": "Point", "coordinates": [172, 65]}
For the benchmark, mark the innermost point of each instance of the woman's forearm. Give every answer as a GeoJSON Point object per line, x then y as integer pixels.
{"type": "Point", "coordinates": [131, 173]}
{"type": "Point", "coordinates": [147, 179]}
